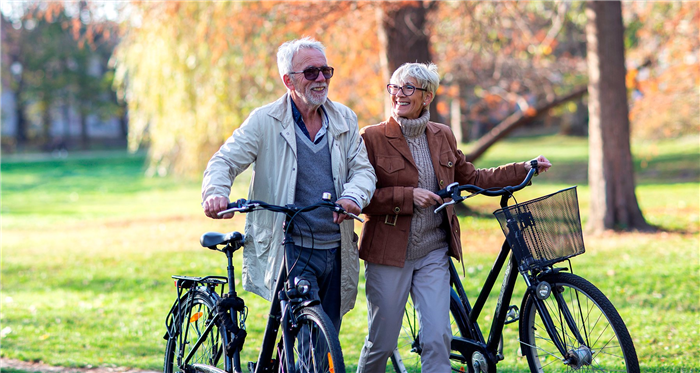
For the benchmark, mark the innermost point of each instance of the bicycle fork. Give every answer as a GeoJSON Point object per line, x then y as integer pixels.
{"type": "Point", "coordinates": [575, 357]}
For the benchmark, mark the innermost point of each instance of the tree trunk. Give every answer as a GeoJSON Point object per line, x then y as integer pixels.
{"type": "Point", "coordinates": [84, 135]}
{"type": "Point", "coordinates": [404, 37]}
{"type": "Point", "coordinates": [610, 169]}
{"type": "Point", "coordinates": [46, 120]}
{"type": "Point", "coordinates": [22, 123]}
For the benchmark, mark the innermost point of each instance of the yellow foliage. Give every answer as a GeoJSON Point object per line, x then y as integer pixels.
{"type": "Point", "coordinates": [193, 71]}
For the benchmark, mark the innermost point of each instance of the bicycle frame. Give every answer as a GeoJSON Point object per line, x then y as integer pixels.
{"type": "Point", "coordinates": [472, 339]}
{"type": "Point", "coordinates": [537, 267]}
{"type": "Point", "coordinates": [284, 307]}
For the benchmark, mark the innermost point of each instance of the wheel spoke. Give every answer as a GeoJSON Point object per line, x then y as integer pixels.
{"type": "Point", "coordinates": [607, 346]}
{"type": "Point", "coordinates": [194, 317]}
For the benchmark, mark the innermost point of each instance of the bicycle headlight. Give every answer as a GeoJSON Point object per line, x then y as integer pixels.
{"type": "Point", "coordinates": [543, 290]}
{"type": "Point", "coordinates": [303, 286]}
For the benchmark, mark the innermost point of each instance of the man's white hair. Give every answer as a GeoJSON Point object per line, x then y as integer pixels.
{"type": "Point", "coordinates": [288, 50]}
{"type": "Point", "coordinates": [425, 74]}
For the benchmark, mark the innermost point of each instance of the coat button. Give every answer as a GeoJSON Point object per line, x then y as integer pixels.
{"type": "Point", "coordinates": [442, 182]}
{"type": "Point", "coordinates": [397, 209]}
{"type": "Point", "coordinates": [449, 164]}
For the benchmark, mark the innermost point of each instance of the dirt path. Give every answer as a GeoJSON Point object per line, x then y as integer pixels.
{"type": "Point", "coordinates": [44, 368]}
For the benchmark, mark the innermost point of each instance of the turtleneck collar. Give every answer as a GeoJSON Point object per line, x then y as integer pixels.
{"type": "Point", "coordinates": [414, 127]}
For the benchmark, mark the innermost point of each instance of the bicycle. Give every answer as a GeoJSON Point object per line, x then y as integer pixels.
{"type": "Point", "coordinates": [565, 322]}
{"type": "Point", "coordinates": [206, 328]}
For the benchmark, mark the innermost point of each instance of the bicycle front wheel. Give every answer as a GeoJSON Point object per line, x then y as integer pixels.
{"type": "Point", "coordinates": [195, 316]}
{"type": "Point", "coordinates": [606, 347]}
{"type": "Point", "coordinates": [315, 345]}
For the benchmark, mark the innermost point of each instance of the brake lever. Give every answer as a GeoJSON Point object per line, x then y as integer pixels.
{"type": "Point", "coordinates": [341, 210]}
{"type": "Point", "coordinates": [441, 207]}
{"type": "Point", "coordinates": [350, 214]}
{"type": "Point", "coordinates": [246, 208]}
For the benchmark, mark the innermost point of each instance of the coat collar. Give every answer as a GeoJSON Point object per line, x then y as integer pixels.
{"type": "Point", "coordinates": [392, 131]}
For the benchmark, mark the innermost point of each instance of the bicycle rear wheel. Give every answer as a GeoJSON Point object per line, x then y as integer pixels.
{"type": "Point", "coordinates": [194, 315]}
{"type": "Point", "coordinates": [607, 344]}
{"type": "Point", "coordinates": [315, 345]}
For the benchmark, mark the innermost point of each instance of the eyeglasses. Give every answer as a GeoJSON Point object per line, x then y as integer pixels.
{"type": "Point", "coordinates": [312, 72]}
{"type": "Point", "coordinates": [407, 89]}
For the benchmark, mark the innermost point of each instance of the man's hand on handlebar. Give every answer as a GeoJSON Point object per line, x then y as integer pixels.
{"type": "Point", "coordinates": [347, 205]}
{"type": "Point", "coordinates": [543, 164]}
{"type": "Point", "coordinates": [213, 204]}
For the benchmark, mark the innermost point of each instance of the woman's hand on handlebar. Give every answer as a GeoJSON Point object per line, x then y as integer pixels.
{"type": "Point", "coordinates": [213, 204]}
{"type": "Point", "coordinates": [347, 205]}
{"type": "Point", "coordinates": [425, 198]}
{"type": "Point", "coordinates": [543, 164]}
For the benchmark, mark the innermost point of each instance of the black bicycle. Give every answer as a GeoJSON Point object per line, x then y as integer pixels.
{"type": "Point", "coordinates": [206, 326]}
{"type": "Point", "coordinates": [565, 322]}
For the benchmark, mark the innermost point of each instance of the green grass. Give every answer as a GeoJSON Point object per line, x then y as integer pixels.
{"type": "Point", "coordinates": [89, 245]}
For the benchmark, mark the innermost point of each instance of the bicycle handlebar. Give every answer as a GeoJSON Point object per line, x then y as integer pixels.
{"type": "Point", "coordinates": [454, 190]}
{"type": "Point", "coordinates": [244, 206]}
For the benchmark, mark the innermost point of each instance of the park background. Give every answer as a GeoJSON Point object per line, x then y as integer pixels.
{"type": "Point", "coordinates": [111, 110]}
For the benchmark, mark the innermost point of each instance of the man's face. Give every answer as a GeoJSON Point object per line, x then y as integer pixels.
{"type": "Point", "coordinates": [312, 93]}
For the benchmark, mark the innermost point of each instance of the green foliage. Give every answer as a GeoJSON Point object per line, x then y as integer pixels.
{"type": "Point", "coordinates": [89, 245]}
{"type": "Point", "coordinates": [51, 61]}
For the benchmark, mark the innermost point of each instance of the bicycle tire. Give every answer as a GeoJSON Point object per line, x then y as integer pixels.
{"type": "Point", "coordinates": [406, 357]}
{"type": "Point", "coordinates": [209, 357]}
{"type": "Point", "coordinates": [608, 346]}
{"type": "Point", "coordinates": [315, 345]}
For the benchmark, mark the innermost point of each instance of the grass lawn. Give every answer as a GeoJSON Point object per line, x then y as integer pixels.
{"type": "Point", "coordinates": [89, 245]}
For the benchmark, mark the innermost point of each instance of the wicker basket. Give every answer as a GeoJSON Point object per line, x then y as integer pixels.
{"type": "Point", "coordinates": [548, 227]}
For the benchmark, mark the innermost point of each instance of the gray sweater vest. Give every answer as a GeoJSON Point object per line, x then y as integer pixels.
{"type": "Point", "coordinates": [314, 229]}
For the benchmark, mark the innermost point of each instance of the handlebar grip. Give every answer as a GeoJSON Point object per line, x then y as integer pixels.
{"type": "Point", "coordinates": [444, 193]}
{"type": "Point", "coordinates": [236, 204]}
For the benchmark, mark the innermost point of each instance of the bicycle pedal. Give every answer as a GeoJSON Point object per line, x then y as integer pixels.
{"type": "Point", "coordinates": [513, 315]}
{"type": "Point", "coordinates": [251, 367]}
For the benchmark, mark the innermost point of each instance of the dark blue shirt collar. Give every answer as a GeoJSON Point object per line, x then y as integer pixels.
{"type": "Point", "coordinates": [300, 123]}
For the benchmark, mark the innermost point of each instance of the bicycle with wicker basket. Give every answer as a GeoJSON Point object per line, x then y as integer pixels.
{"type": "Point", "coordinates": [565, 322]}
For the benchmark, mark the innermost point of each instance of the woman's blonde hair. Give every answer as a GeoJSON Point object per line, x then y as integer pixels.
{"type": "Point", "coordinates": [425, 74]}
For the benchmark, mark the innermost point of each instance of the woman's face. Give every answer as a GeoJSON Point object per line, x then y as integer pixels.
{"type": "Point", "coordinates": [409, 106]}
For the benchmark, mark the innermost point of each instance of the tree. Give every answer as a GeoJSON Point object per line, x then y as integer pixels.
{"type": "Point", "coordinates": [404, 37]}
{"type": "Point", "coordinates": [610, 170]}
{"type": "Point", "coordinates": [663, 78]}
{"type": "Point", "coordinates": [58, 58]}
{"type": "Point", "coordinates": [507, 58]}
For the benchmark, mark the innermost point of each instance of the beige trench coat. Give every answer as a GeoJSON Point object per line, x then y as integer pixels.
{"type": "Point", "coordinates": [267, 141]}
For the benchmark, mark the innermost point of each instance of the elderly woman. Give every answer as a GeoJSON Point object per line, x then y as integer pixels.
{"type": "Point", "coordinates": [404, 244]}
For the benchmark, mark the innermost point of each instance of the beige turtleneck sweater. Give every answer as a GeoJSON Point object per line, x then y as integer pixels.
{"type": "Point", "coordinates": [426, 233]}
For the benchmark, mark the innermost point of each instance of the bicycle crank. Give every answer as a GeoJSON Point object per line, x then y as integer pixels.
{"type": "Point", "coordinates": [479, 363]}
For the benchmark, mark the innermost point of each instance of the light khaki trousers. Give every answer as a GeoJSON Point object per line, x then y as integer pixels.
{"type": "Point", "coordinates": [387, 288]}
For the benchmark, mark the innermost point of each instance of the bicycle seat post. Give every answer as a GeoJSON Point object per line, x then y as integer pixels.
{"type": "Point", "coordinates": [231, 281]}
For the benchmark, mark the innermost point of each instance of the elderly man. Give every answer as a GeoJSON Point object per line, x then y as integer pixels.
{"type": "Point", "coordinates": [300, 146]}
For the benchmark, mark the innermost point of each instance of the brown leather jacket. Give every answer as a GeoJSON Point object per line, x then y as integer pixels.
{"type": "Point", "coordinates": [388, 215]}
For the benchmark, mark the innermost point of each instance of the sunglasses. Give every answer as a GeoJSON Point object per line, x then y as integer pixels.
{"type": "Point", "coordinates": [312, 72]}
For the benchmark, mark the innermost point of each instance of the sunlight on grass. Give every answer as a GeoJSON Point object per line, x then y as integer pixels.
{"type": "Point", "coordinates": [88, 248]}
